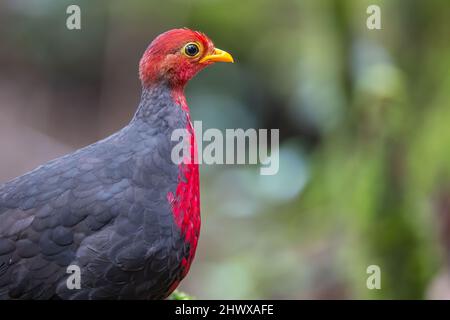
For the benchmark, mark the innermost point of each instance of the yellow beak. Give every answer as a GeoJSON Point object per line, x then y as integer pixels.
{"type": "Point", "coordinates": [218, 56]}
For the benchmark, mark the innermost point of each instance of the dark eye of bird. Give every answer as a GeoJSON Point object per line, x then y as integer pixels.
{"type": "Point", "coordinates": [191, 49]}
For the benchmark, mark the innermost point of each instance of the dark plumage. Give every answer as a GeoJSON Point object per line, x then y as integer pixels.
{"type": "Point", "coordinates": [120, 209]}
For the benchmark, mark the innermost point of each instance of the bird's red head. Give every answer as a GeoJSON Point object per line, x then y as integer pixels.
{"type": "Point", "coordinates": [175, 56]}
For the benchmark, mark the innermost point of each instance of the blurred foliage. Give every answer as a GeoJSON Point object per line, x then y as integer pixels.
{"type": "Point", "coordinates": [363, 116]}
{"type": "Point", "coordinates": [179, 295]}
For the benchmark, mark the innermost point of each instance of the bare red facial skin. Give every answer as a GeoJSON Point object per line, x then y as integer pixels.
{"type": "Point", "coordinates": [164, 61]}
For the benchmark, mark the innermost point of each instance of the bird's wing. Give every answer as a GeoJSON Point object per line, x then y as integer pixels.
{"type": "Point", "coordinates": [46, 214]}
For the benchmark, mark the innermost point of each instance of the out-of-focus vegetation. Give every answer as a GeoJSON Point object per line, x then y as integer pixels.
{"type": "Point", "coordinates": [364, 119]}
{"type": "Point", "coordinates": [179, 295]}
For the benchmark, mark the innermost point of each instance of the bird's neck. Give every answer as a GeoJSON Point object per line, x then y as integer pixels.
{"type": "Point", "coordinates": [159, 98]}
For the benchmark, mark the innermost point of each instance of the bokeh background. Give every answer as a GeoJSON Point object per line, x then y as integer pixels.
{"type": "Point", "coordinates": [364, 119]}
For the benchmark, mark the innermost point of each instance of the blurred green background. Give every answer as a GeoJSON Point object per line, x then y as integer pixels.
{"type": "Point", "coordinates": [364, 119]}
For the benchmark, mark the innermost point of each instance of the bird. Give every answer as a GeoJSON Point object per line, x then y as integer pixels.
{"type": "Point", "coordinates": [120, 211]}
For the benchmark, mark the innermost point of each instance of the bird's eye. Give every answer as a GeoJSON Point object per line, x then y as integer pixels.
{"type": "Point", "coordinates": [191, 49]}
